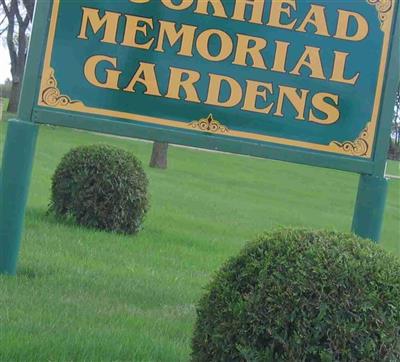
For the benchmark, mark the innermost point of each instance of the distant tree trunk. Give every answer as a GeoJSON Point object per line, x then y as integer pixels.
{"type": "Point", "coordinates": [30, 7]}
{"type": "Point", "coordinates": [14, 97]}
{"type": "Point", "coordinates": [17, 43]}
{"type": "Point", "coordinates": [159, 155]}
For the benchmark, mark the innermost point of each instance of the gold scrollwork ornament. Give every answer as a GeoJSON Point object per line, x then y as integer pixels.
{"type": "Point", "coordinates": [358, 147]}
{"type": "Point", "coordinates": [52, 96]}
{"type": "Point", "coordinates": [383, 7]}
{"type": "Point", "coordinates": [209, 124]}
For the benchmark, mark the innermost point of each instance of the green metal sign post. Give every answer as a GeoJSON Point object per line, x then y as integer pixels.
{"type": "Point", "coordinates": [370, 207]}
{"type": "Point", "coordinates": [305, 82]}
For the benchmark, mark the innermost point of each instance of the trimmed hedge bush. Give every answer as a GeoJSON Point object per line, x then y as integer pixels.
{"type": "Point", "coordinates": [102, 187]}
{"type": "Point", "coordinates": [298, 295]}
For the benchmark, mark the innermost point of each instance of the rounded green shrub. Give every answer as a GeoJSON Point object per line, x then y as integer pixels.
{"type": "Point", "coordinates": [300, 295]}
{"type": "Point", "coordinates": [102, 187]}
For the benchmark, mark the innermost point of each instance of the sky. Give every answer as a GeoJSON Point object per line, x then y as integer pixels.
{"type": "Point", "coordinates": [4, 64]}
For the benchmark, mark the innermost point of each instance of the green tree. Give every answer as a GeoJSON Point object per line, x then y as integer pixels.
{"type": "Point", "coordinates": [16, 18]}
{"type": "Point", "coordinates": [394, 147]}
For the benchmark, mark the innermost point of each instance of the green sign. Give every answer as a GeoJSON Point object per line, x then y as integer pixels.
{"type": "Point", "coordinates": [302, 81]}
{"type": "Point", "coordinates": [302, 75]}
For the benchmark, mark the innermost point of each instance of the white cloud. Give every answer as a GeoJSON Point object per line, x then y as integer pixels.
{"type": "Point", "coordinates": [4, 64]}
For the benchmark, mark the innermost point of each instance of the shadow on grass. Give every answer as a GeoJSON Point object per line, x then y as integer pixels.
{"type": "Point", "coordinates": [30, 272]}
{"type": "Point", "coordinates": [39, 215]}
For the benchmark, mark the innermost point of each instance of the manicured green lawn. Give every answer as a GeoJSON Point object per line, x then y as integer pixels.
{"type": "Point", "coordinates": [5, 115]}
{"type": "Point", "coordinates": [393, 168]}
{"type": "Point", "coordinates": [94, 296]}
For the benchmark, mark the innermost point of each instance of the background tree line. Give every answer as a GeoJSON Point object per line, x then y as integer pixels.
{"type": "Point", "coordinates": [394, 149]}
{"type": "Point", "coordinates": [15, 19]}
